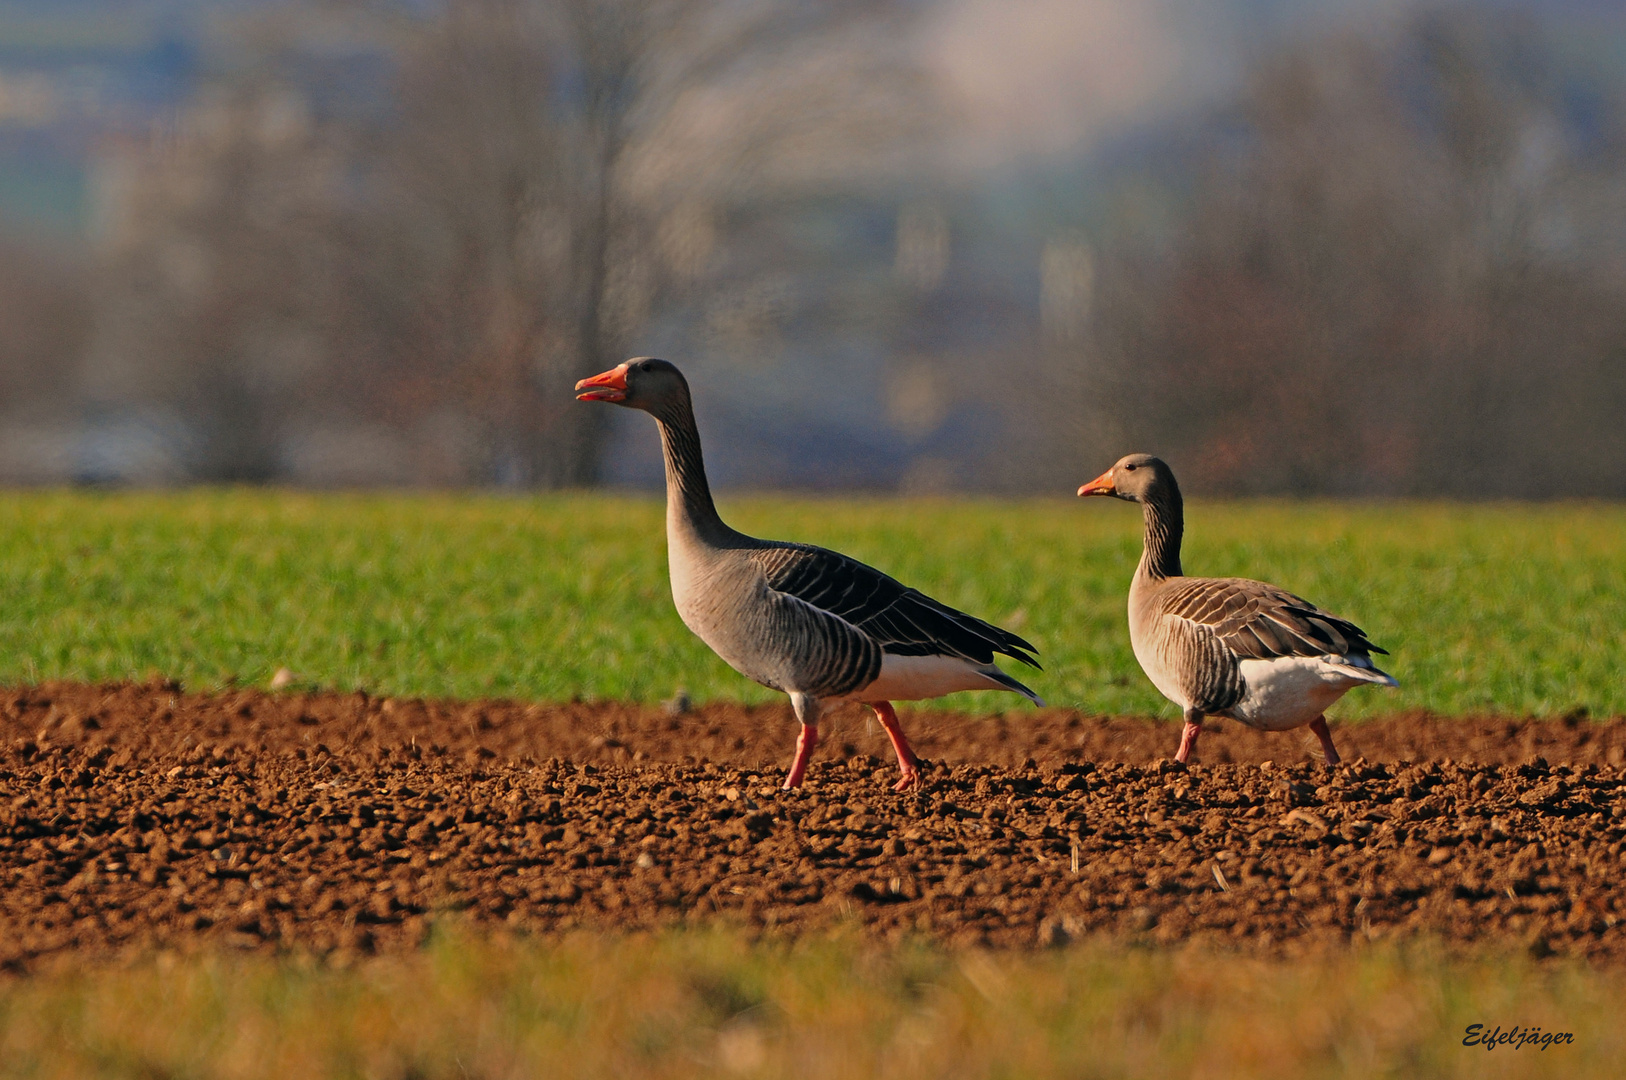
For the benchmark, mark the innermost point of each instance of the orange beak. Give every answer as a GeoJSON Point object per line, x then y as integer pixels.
{"type": "Point", "coordinates": [1101, 485]}
{"type": "Point", "coordinates": [610, 386]}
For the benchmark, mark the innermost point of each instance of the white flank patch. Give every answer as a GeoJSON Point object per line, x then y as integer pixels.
{"type": "Point", "coordinates": [1291, 691]}
{"type": "Point", "coordinates": [912, 678]}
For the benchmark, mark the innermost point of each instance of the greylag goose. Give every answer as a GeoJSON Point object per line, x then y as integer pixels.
{"type": "Point", "coordinates": [1229, 646]}
{"type": "Point", "coordinates": [811, 622]}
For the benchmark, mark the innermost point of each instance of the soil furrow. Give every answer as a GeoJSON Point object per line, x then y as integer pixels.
{"type": "Point", "coordinates": [141, 817]}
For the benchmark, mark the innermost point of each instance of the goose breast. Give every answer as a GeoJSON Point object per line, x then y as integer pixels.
{"type": "Point", "coordinates": [1187, 662]}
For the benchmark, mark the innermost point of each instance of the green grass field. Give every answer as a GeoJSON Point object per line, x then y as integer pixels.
{"type": "Point", "coordinates": [711, 1004]}
{"type": "Point", "coordinates": [1507, 608]}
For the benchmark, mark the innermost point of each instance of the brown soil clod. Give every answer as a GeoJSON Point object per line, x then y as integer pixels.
{"type": "Point", "coordinates": [140, 817]}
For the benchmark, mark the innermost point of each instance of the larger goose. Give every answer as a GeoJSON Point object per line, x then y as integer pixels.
{"type": "Point", "coordinates": [813, 623]}
{"type": "Point", "coordinates": [1229, 646]}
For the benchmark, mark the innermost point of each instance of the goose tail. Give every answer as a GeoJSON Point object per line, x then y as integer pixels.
{"type": "Point", "coordinates": [1362, 669]}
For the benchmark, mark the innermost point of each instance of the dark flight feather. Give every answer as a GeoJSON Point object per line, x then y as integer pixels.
{"type": "Point", "coordinates": [903, 621]}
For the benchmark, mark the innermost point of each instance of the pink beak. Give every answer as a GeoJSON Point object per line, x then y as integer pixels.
{"type": "Point", "coordinates": [610, 386]}
{"type": "Point", "coordinates": [1101, 485]}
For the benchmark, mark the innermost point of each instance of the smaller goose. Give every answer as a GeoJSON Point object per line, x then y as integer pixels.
{"type": "Point", "coordinates": [811, 622]}
{"type": "Point", "coordinates": [1229, 646]}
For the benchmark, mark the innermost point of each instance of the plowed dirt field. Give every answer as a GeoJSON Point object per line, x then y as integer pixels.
{"type": "Point", "coordinates": [141, 817]}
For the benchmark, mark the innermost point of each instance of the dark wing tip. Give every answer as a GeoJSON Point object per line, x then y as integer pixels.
{"type": "Point", "coordinates": [1020, 642]}
{"type": "Point", "coordinates": [1358, 639]}
{"type": "Point", "coordinates": [1022, 657]}
{"type": "Point", "coordinates": [975, 637]}
{"type": "Point", "coordinates": [1008, 644]}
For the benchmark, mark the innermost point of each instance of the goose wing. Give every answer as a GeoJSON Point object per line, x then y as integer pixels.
{"type": "Point", "coordinates": [901, 620]}
{"type": "Point", "coordinates": [1256, 621]}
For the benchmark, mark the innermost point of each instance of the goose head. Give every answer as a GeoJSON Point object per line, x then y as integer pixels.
{"type": "Point", "coordinates": [1138, 478]}
{"type": "Point", "coordinates": [641, 383]}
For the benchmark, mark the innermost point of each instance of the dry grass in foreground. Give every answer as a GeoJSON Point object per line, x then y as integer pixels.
{"type": "Point", "coordinates": [719, 1004]}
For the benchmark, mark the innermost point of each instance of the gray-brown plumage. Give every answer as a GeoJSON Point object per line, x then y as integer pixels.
{"type": "Point", "coordinates": [802, 619]}
{"type": "Point", "coordinates": [1229, 646]}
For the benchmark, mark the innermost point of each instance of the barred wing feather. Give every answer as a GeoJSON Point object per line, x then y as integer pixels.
{"type": "Point", "coordinates": [901, 620]}
{"type": "Point", "coordinates": [1256, 621]}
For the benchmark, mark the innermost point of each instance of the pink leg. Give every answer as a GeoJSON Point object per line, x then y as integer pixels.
{"type": "Point", "coordinates": [1188, 737]}
{"type": "Point", "coordinates": [900, 745]}
{"type": "Point", "coordinates": [1319, 726]}
{"type": "Point", "coordinates": [805, 742]}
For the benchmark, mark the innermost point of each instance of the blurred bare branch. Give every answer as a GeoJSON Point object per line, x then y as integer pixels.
{"type": "Point", "coordinates": [1384, 286]}
{"type": "Point", "coordinates": [550, 177]}
{"type": "Point", "coordinates": [374, 242]}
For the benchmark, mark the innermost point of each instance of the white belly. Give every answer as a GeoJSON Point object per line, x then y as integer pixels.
{"type": "Point", "coordinates": [912, 678]}
{"type": "Point", "coordinates": [1289, 692]}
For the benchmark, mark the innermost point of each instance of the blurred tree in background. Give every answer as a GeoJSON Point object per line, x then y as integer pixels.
{"type": "Point", "coordinates": [545, 179]}
{"type": "Point", "coordinates": [1404, 271]}
{"type": "Point", "coordinates": [918, 245]}
{"type": "Point", "coordinates": [45, 314]}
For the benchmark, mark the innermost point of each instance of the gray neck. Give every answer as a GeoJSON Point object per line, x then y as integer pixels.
{"type": "Point", "coordinates": [1164, 513]}
{"type": "Point", "coordinates": [688, 496]}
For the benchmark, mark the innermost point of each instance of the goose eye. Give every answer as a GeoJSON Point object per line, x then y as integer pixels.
{"type": "Point", "coordinates": [1131, 468]}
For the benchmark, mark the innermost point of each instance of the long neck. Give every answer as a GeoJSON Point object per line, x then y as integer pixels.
{"type": "Point", "coordinates": [1164, 513]}
{"type": "Point", "coordinates": [688, 496]}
